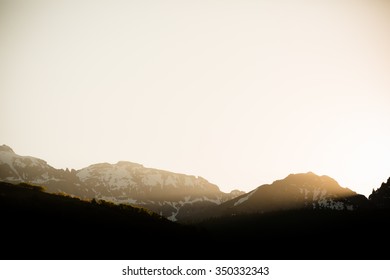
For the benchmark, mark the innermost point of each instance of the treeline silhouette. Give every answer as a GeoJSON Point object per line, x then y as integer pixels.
{"type": "Point", "coordinates": [304, 234]}
{"type": "Point", "coordinates": [39, 225]}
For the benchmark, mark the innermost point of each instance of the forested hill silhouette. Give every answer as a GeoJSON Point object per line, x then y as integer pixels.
{"type": "Point", "coordinates": [306, 232]}
{"type": "Point", "coordinates": [39, 225]}
{"type": "Point", "coordinates": [381, 196]}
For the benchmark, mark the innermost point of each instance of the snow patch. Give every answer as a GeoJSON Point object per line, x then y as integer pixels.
{"type": "Point", "coordinates": [304, 191]}
{"type": "Point", "coordinates": [83, 174]}
{"type": "Point", "coordinates": [329, 203]}
{"type": "Point", "coordinates": [19, 162]}
{"type": "Point", "coordinates": [172, 217]}
{"type": "Point", "coordinates": [34, 161]}
{"type": "Point", "coordinates": [319, 194]}
{"type": "Point", "coordinates": [115, 178]}
{"type": "Point", "coordinates": [8, 158]}
{"type": "Point", "coordinates": [216, 201]}
{"type": "Point", "coordinates": [45, 176]}
{"type": "Point", "coordinates": [194, 200]}
{"type": "Point", "coordinates": [152, 180]}
{"type": "Point", "coordinates": [170, 181]}
{"type": "Point", "coordinates": [245, 198]}
{"type": "Point", "coordinates": [129, 201]}
{"type": "Point", "coordinates": [188, 181]}
{"type": "Point", "coordinates": [174, 214]}
{"type": "Point", "coordinates": [13, 179]}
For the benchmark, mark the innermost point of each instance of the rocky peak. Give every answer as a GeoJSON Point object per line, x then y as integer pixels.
{"type": "Point", "coordinates": [5, 148]}
{"type": "Point", "coordinates": [235, 193]}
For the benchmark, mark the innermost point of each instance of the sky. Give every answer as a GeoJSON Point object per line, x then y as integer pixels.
{"type": "Point", "coordinates": [241, 93]}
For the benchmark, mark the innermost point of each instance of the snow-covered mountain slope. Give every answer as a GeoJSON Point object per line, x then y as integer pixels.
{"type": "Point", "coordinates": [296, 191]}
{"type": "Point", "coordinates": [175, 196]}
{"type": "Point", "coordinates": [15, 168]}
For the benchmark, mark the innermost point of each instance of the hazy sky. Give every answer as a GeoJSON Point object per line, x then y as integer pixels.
{"type": "Point", "coordinates": [241, 93]}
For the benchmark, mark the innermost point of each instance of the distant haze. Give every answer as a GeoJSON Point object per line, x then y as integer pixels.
{"type": "Point", "coordinates": [239, 92]}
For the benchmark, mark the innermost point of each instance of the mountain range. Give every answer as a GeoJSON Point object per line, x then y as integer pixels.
{"type": "Point", "coordinates": [174, 215]}
{"type": "Point", "coordinates": [180, 197]}
{"type": "Point", "coordinates": [172, 195]}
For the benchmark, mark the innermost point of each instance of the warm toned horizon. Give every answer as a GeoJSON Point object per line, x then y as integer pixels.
{"type": "Point", "coordinates": [241, 93]}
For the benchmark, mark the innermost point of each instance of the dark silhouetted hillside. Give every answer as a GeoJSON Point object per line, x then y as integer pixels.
{"type": "Point", "coordinates": [303, 216]}
{"type": "Point", "coordinates": [303, 234]}
{"type": "Point", "coordinates": [39, 225]}
{"type": "Point", "coordinates": [381, 196]}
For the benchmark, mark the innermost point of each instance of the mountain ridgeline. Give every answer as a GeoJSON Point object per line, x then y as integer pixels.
{"type": "Point", "coordinates": [172, 195]}
{"type": "Point", "coordinates": [296, 191]}
{"type": "Point", "coordinates": [303, 216]}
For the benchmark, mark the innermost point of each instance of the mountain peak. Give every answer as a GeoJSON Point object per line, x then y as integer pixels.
{"type": "Point", "coordinates": [296, 191]}
{"type": "Point", "coordinates": [128, 163]}
{"type": "Point", "coordinates": [311, 178]}
{"type": "Point", "coordinates": [5, 148]}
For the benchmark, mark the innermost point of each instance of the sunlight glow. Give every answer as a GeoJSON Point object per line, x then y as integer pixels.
{"type": "Point", "coordinates": [241, 93]}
